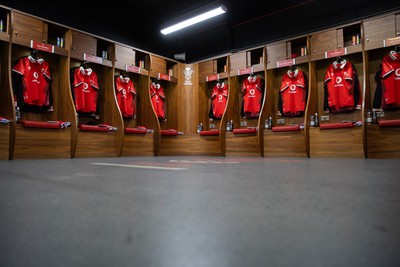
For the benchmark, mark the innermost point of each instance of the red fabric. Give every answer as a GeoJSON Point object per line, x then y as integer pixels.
{"type": "Point", "coordinates": [86, 89]}
{"type": "Point", "coordinates": [293, 93]}
{"type": "Point", "coordinates": [125, 92]}
{"type": "Point", "coordinates": [41, 124]}
{"type": "Point", "coordinates": [137, 130]}
{"type": "Point", "coordinates": [171, 132]}
{"type": "Point", "coordinates": [245, 131]}
{"type": "Point", "coordinates": [390, 80]}
{"type": "Point", "coordinates": [36, 80]}
{"type": "Point", "coordinates": [209, 132]}
{"type": "Point", "coordinates": [286, 128]}
{"type": "Point", "coordinates": [388, 123]}
{"type": "Point", "coordinates": [158, 100]}
{"type": "Point", "coordinates": [219, 99]}
{"type": "Point", "coordinates": [93, 128]}
{"type": "Point", "coordinates": [252, 92]}
{"type": "Point", "coordinates": [336, 125]}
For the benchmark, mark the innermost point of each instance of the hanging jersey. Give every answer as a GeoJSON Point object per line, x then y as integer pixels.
{"type": "Point", "coordinates": [85, 89]}
{"type": "Point", "coordinates": [252, 94]}
{"type": "Point", "coordinates": [125, 92]}
{"type": "Point", "coordinates": [33, 87]}
{"type": "Point", "coordinates": [293, 93]}
{"type": "Point", "coordinates": [157, 99]}
{"type": "Point", "coordinates": [390, 80]}
{"type": "Point", "coordinates": [219, 99]}
{"type": "Point", "coordinates": [342, 89]}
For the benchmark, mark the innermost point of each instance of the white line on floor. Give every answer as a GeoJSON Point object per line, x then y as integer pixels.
{"type": "Point", "coordinates": [140, 166]}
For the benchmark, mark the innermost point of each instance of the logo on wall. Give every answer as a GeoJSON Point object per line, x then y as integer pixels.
{"type": "Point", "coordinates": [188, 76]}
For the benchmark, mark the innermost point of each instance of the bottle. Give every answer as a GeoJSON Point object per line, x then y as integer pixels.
{"type": "Point", "coordinates": [266, 124]}
{"type": "Point", "coordinates": [62, 42]}
{"type": "Point", "coordinates": [58, 41]}
{"type": "Point", "coordinates": [316, 120]}
{"type": "Point", "coordinates": [17, 115]}
{"type": "Point", "coordinates": [1, 25]}
{"type": "Point", "coordinates": [228, 126]}
{"type": "Point", "coordinates": [312, 122]}
{"type": "Point", "coordinates": [374, 117]}
{"type": "Point", "coordinates": [231, 125]}
{"type": "Point", "coordinates": [270, 123]}
{"type": "Point", "coordinates": [369, 117]}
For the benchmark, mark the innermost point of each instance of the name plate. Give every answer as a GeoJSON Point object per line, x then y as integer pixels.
{"type": "Point", "coordinates": [132, 69]}
{"type": "Point", "coordinates": [92, 58]}
{"type": "Point", "coordinates": [213, 77]}
{"type": "Point", "coordinates": [162, 76]}
{"type": "Point", "coordinates": [336, 52]}
{"type": "Point", "coordinates": [286, 63]}
{"type": "Point", "coordinates": [42, 46]}
{"type": "Point", "coordinates": [391, 41]}
{"type": "Point", "coordinates": [245, 71]}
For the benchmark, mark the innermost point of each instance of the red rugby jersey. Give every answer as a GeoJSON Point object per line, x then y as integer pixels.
{"type": "Point", "coordinates": [157, 99]}
{"type": "Point", "coordinates": [293, 93]}
{"type": "Point", "coordinates": [125, 92]}
{"type": "Point", "coordinates": [219, 99]}
{"type": "Point", "coordinates": [252, 94]}
{"type": "Point", "coordinates": [36, 79]}
{"type": "Point", "coordinates": [342, 89]}
{"type": "Point", "coordinates": [86, 89]}
{"type": "Point", "coordinates": [390, 79]}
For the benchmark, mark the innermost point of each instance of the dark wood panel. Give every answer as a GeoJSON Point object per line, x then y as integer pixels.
{"type": "Point", "coordinates": [82, 43]}
{"type": "Point", "coordinates": [284, 144]}
{"type": "Point", "coordinates": [238, 61]}
{"type": "Point", "coordinates": [344, 143]}
{"type": "Point", "coordinates": [242, 145]}
{"type": "Point", "coordinates": [378, 29]}
{"type": "Point", "coordinates": [96, 145]}
{"type": "Point", "coordinates": [35, 143]}
{"type": "Point", "coordinates": [4, 141]}
{"type": "Point", "coordinates": [138, 145]}
{"type": "Point", "coordinates": [383, 142]}
{"type": "Point", "coordinates": [124, 56]}
{"type": "Point", "coordinates": [190, 145]}
{"type": "Point", "coordinates": [27, 28]}
{"type": "Point", "coordinates": [275, 53]}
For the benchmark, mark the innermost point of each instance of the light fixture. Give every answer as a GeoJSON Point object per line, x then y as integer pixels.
{"type": "Point", "coordinates": [199, 18]}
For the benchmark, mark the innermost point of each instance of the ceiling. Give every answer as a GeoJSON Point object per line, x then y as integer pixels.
{"type": "Point", "coordinates": [246, 24]}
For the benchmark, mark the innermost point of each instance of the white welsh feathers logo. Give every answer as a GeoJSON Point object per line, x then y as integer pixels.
{"type": "Point", "coordinates": [188, 75]}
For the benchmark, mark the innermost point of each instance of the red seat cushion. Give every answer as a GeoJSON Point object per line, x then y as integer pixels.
{"type": "Point", "coordinates": [42, 124]}
{"type": "Point", "coordinates": [209, 132]}
{"type": "Point", "coordinates": [286, 128]}
{"type": "Point", "coordinates": [388, 123]}
{"type": "Point", "coordinates": [245, 131]}
{"type": "Point", "coordinates": [93, 128]}
{"type": "Point", "coordinates": [137, 130]}
{"type": "Point", "coordinates": [170, 132]}
{"type": "Point", "coordinates": [336, 125]}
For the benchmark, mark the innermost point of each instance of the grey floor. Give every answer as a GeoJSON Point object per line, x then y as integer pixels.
{"type": "Point", "coordinates": [200, 212]}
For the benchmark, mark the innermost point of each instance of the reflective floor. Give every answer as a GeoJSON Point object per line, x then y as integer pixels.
{"type": "Point", "coordinates": [200, 211]}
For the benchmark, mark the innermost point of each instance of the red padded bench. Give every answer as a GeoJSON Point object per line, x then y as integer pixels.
{"type": "Point", "coordinates": [169, 132]}
{"type": "Point", "coordinates": [286, 128]}
{"type": "Point", "coordinates": [336, 125]}
{"type": "Point", "coordinates": [43, 124]}
{"type": "Point", "coordinates": [137, 130]}
{"type": "Point", "coordinates": [209, 133]}
{"type": "Point", "coordinates": [389, 123]}
{"type": "Point", "coordinates": [245, 131]}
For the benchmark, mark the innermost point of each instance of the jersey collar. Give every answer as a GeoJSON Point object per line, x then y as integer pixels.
{"type": "Point", "coordinates": [36, 60]}
{"type": "Point", "coordinates": [87, 71]}
{"type": "Point", "coordinates": [340, 65]}
{"type": "Point", "coordinates": [124, 79]}
{"type": "Point", "coordinates": [394, 55]}
{"type": "Point", "coordinates": [293, 73]}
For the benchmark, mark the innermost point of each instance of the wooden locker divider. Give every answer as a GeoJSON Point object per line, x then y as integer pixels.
{"type": "Point", "coordinates": [248, 142]}
{"type": "Point", "coordinates": [339, 142]}
{"type": "Point", "coordinates": [382, 35]}
{"type": "Point", "coordinates": [281, 57]}
{"type": "Point", "coordinates": [6, 96]}
{"type": "Point", "coordinates": [30, 33]}
{"type": "Point", "coordinates": [90, 50]}
{"type": "Point", "coordinates": [127, 64]}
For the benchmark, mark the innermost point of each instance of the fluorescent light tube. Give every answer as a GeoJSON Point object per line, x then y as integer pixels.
{"type": "Point", "coordinates": [199, 18]}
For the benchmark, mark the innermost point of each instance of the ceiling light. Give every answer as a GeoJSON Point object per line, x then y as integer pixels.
{"type": "Point", "coordinates": [199, 18]}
